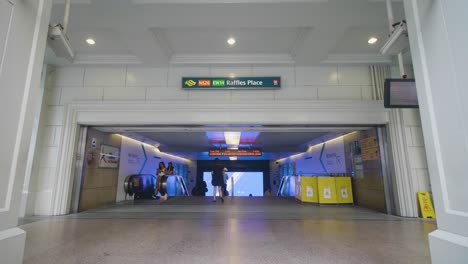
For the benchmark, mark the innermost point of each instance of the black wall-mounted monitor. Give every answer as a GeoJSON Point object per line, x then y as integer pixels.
{"type": "Point", "coordinates": [400, 93]}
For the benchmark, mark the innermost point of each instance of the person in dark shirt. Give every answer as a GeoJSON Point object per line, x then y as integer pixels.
{"type": "Point", "coordinates": [218, 179]}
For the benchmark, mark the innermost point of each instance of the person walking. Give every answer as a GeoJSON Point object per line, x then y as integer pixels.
{"type": "Point", "coordinates": [218, 179]}
{"type": "Point", "coordinates": [160, 172]}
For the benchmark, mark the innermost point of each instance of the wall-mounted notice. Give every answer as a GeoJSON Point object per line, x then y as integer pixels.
{"type": "Point", "coordinates": [369, 142]}
{"type": "Point", "coordinates": [370, 154]}
{"type": "Point", "coordinates": [231, 83]}
{"type": "Point", "coordinates": [370, 148]}
{"type": "Point", "coordinates": [109, 157]}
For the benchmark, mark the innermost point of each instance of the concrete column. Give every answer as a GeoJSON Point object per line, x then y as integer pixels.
{"type": "Point", "coordinates": [438, 39]}
{"type": "Point", "coordinates": [23, 31]}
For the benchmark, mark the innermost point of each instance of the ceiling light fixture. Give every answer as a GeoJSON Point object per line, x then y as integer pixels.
{"type": "Point", "coordinates": [90, 41]}
{"type": "Point", "coordinates": [231, 41]}
{"type": "Point", "coordinates": [372, 40]}
{"type": "Point", "coordinates": [232, 138]}
{"type": "Point", "coordinates": [154, 147]}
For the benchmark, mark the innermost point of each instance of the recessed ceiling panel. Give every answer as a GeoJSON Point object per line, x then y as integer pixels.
{"type": "Point", "coordinates": [248, 40]}
{"type": "Point", "coordinates": [108, 41]}
{"type": "Point", "coordinates": [354, 41]}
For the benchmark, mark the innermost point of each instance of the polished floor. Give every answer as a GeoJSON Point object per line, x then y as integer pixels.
{"type": "Point", "coordinates": [242, 230]}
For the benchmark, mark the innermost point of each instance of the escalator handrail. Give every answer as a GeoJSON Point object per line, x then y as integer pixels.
{"type": "Point", "coordinates": [184, 187]}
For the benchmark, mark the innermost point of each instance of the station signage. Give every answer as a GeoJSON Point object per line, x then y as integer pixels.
{"type": "Point", "coordinates": [231, 83]}
{"type": "Point", "coordinates": [235, 152]}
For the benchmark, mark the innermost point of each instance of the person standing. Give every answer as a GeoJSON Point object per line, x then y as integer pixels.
{"type": "Point", "coordinates": [160, 172]}
{"type": "Point", "coordinates": [170, 169]}
{"type": "Point", "coordinates": [218, 179]}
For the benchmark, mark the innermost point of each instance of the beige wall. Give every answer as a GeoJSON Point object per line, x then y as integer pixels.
{"type": "Point", "coordinates": [99, 185]}
{"type": "Point", "coordinates": [368, 190]}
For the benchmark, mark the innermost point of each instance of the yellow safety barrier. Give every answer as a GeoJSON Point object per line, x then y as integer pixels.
{"type": "Point", "coordinates": [344, 190]}
{"type": "Point", "coordinates": [327, 190]}
{"type": "Point", "coordinates": [306, 189]}
{"type": "Point", "coordinates": [427, 211]}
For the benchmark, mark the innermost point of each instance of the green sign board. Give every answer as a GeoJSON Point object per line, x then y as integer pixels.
{"type": "Point", "coordinates": [231, 83]}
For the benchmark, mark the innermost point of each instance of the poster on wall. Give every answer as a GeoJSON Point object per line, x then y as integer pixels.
{"type": "Point", "coordinates": [109, 157]}
{"type": "Point", "coordinates": [370, 154]}
{"type": "Point", "coordinates": [370, 148]}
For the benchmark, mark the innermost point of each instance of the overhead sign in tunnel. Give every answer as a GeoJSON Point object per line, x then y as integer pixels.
{"type": "Point", "coordinates": [235, 152]}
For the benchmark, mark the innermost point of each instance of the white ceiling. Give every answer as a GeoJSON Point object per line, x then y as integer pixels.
{"type": "Point", "coordinates": [158, 32]}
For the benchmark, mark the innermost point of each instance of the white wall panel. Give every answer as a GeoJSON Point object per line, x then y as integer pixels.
{"type": "Point", "coordinates": [166, 93]}
{"type": "Point", "coordinates": [409, 137]}
{"type": "Point", "coordinates": [316, 76]}
{"type": "Point", "coordinates": [49, 157]}
{"type": "Point", "coordinates": [218, 95]}
{"type": "Point", "coordinates": [339, 92]}
{"type": "Point", "coordinates": [54, 115]}
{"type": "Point", "coordinates": [417, 135]}
{"type": "Point", "coordinates": [231, 71]}
{"type": "Point", "coordinates": [296, 93]}
{"type": "Point", "coordinates": [53, 96]}
{"type": "Point", "coordinates": [48, 136]}
{"type": "Point", "coordinates": [366, 91]}
{"type": "Point", "coordinates": [105, 76]}
{"type": "Point", "coordinates": [30, 203]}
{"type": "Point", "coordinates": [176, 74]}
{"type": "Point", "coordinates": [44, 179]}
{"type": "Point", "coordinates": [354, 75]}
{"type": "Point", "coordinates": [87, 93]}
{"type": "Point", "coordinates": [395, 72]}
{"type": "Point", "coordinates": [286, 73]}
{"type": "Point", "coordinates": [124, 93]}
{"type": "Point", "coordinates": [43, 203]}
{"type": "Point", "coordinates": [68, 76]}
{"type": "Point", "coordinates": [34, 179]}
{"type": "Point", "coordinates": [147, 76]}
{"type": "Point", "coordinates": [58, 133]}
{"type": "Point", "coordinates": [423, 179]}
{"type": "Point", "coordinates": [411, 117]}
{"type": "Point", "coordinates": [418, 157]}
{"type": "Point", "coordinates": [252, 95]}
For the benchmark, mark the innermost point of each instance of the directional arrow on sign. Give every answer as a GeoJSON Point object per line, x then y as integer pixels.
{"type": "Point", "coordinates": [320, 158]}
{"type": "Point", "coordinates": [146, 158]}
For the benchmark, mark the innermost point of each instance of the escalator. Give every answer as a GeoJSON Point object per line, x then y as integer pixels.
{"type": "Point", "coordinates": [142, 186]}
{"type": "Point", "coordinates": [287, 186]}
